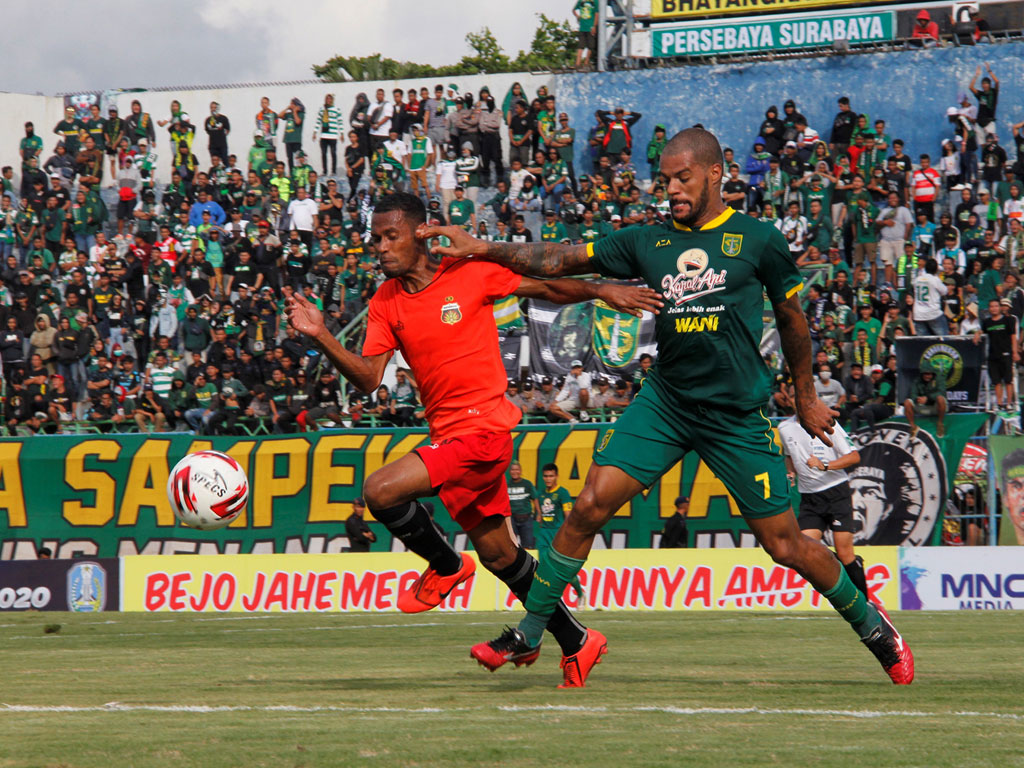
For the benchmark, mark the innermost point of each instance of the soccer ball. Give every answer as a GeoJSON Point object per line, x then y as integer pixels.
{"type": "Point", "coordinates": [207, 490]}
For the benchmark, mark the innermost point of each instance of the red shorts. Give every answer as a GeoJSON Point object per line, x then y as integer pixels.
{"type": "Point", "coordinates": [469, 470]}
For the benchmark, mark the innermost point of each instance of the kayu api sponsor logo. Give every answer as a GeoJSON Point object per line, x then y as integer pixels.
{"type": "Point", "coordinates": [694, 278]}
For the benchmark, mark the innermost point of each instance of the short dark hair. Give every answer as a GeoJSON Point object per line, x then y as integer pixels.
{"type": "Point", "coordinates": [409, 205]}
{"type": "Point", "coordinates": [549, 468]}
{"type": "Point", "coordinates": [703, 144]}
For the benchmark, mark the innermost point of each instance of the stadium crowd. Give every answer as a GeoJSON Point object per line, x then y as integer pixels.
{"type": "Point", "coordinates": [128, 301]}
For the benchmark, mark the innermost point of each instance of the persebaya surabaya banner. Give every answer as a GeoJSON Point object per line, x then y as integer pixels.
{"type": "Point", "coordinates": [101, 496]}
{"type": "Point", "coordinates": [812, 30]}
{"type": "Point", "coordinates": [680, 9]}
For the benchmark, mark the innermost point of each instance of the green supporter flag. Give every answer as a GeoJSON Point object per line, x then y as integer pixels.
{"type": "Point", "coordinates": [507, 313]}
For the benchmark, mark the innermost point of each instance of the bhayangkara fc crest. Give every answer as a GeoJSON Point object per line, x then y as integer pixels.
{"type": "Point", "coordinates": [731, 244]}
{"type": "Point", "coordinates": [451, 312]}
{"type": "Point", "coordinates": [87, 587]}
{"type": "Point", "coordinates": [615, 336]}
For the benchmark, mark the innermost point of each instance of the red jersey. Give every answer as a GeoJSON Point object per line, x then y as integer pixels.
{"type": "Point", "coordinates": [446, 333]}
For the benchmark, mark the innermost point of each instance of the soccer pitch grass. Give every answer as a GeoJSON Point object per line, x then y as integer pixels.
{"type": "Point", "coordinates": [715, 689]}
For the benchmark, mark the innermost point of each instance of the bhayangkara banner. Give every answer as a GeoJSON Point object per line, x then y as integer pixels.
{"type": "Point", "coordinates": [681, 9]}
{"type": "Point", "coordinates": [612, 580]}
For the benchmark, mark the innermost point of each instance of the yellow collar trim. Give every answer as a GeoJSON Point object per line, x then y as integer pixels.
{"type": "Point", "coordinates": [715, 222]}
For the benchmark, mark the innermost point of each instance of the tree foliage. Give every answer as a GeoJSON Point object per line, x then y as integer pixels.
{"type": "Point", "coordinates": [553, 48]}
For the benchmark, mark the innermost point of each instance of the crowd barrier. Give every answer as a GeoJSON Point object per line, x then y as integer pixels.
{"type": "Point", "coordinates": [928, 578]}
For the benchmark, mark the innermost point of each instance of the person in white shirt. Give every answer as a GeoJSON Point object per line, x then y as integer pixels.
{"type": "Point", "coordinates": [826, 500]}
{"type": "Point", "coordinates": [574, 395]}
{"type": "Point", "coordinates": [380, 121]}
{"type": "Point", "coordinates": [895, 224]}
{"type": "Point", "coordinates": [929, 319]}
{"type": "Point", "coordinates": [794, 228]}
{"type": "Point", "coordinates": [447, 179]}
{"type": "Point", "coordinates": [828, 390]}
{"type": "Point", "coordinates": [98, 252]}
{"type": "Point", "coordinates": [396, 147]}
{"type": "Point", "coordinates": [515, 178]}
{"type": "Point", "coordinates": [302, 213]}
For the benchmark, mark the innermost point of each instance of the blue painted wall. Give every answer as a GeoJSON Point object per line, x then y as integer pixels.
{"type": "Point", "coordinates": [909, 90]}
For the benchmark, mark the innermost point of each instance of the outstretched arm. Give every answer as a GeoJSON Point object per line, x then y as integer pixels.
{"type": "Point", "coordinates": [540, 259]}
{"type": "Point", "coordinates": [365, 372]}
{"type": "Point", "coordinates": [815, 417]}
{"type": "Point", "coordinates": [631, 299]}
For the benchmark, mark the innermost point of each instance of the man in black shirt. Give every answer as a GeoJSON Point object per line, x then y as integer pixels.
{"type": "Point", "coordinates": [1003, 352]}
{"type": "Point", "coordinates": [360, 537]}
{"type": "Point", "coordinates": [842, 127]}
{"type": "Point", "coordinates": [674, 535]}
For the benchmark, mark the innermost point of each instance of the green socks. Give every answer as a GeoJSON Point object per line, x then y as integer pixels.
{"type": "Point", "coordinates": [853, 606]}
{"type": "Point", "coordinates": [553, 574]}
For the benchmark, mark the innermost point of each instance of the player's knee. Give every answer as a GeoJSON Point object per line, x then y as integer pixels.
{"type": "Point", "coordinates": [588, 514]}
{"type": "Point", "coordinates": [784, 549]}
{"type": "Point", "coordinates": [378, 492]}
{"type": "Point", "coordinates": [908, 405]}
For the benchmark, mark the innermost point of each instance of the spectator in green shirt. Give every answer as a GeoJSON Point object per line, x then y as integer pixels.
{"type": "Point", "coordinates": [554, 504]}
{"type": "Point", "coordinates": [553, 230]}
{"type": "Point", "coordinates": [461, 211]}
{"type": "Point", "coordinates": [869, 324]}
{"type": "Point", "coordinates": [585, 12]}
{"type": "Point", "coordinates": [927, 398]}
{"type": "Point", "coordinates": [522, 498]}
{"type": "Point", "coordinates": [200, 399]}
{"type": "Point", "coordinates": [991, 284]}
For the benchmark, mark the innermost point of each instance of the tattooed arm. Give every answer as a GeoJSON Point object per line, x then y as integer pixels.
{"type": "Point", "coordinates": [538, 259]}
{"type": "Point", "coordinates": [815, 417]}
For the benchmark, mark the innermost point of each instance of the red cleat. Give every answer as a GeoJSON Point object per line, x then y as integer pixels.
{"type": "Point", "coordinates": [510, 646]}
{"type": "Point", "coordinates": [891, 651]}
{"type": "Point", "coordinates": [575, 668]}
{"type": "Point", "coordinates": [430, 588]}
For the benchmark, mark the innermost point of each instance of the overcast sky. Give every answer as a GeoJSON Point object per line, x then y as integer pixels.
{"type": "Point", "coordinates": [117, 44]}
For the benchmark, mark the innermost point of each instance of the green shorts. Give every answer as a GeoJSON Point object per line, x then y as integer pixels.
{"type": "Point", "coordinates": [739, 447]}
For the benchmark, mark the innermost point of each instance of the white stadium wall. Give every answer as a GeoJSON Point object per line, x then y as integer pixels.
{"type": "Point", "coordinates": [240, 105]}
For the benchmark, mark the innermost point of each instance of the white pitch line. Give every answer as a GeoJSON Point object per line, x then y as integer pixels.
{"type": "Point", "coordinates": [512, 709]}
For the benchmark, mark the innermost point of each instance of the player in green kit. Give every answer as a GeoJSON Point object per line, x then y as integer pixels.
{"type": "Point", "coordinates": [705, 393]}
{"type": "Point", "coordinates": [555, 503]}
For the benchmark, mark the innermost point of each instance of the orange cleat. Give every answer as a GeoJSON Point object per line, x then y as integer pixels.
{"type": "Point", "coordinates": [431, 588]}
{"type": "Point", "coordinates": [575, 668]}
{"type": "Point", "coordinates": [509, 646]}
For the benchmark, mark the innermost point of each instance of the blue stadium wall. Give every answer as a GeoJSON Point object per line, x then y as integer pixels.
{"type": "Point", "coordinates": [910, 90]}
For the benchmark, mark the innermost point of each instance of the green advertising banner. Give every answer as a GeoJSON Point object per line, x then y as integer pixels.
{"type": "Point", "coordinates": [1007, 453]}
{"type": "Point", "coordinates": [805, 31]}
{"type": "Point", "coordinates": [104, 496]}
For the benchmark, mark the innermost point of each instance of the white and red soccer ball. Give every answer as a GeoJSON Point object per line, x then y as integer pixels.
{"type": "Point", "coordinates": [207, 490]}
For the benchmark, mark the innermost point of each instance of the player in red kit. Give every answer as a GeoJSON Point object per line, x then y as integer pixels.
{"type": "Point", "coordinates": [439, 315]}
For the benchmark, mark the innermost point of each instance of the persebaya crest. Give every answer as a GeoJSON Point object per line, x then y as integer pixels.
{"type": "Point", "coordinates": [731, 244]}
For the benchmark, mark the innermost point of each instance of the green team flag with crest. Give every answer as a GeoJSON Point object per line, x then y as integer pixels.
{"type": "Point", "coordinates": [607, 341]}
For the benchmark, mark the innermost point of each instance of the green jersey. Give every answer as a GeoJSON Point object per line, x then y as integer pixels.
{"type": "Point", "coordinates": [521, 494]}
{"type": "Point", "coordinates": [30, 146]}
{"type": "Point", "coordinates": [713, 280]}
{"type": "Point", "coordinates": [293, 126]}
{"type": "Point", "coordinates": [569, 135]}
{"type": "Point", "coordinates": [587, 11]}
{"type": "Point", "coordinates": [864, 223]}
{"type": "Point", "coordinates": [553, 233]}
{"type": "Point", "coordinates": [555, 504]}
{"type": "Point", "coordinates": [97, 128]}
{"type": "Point", "coordinates": [459, 212]}
{"type": "Point", "coordinates": [419, 150]}
{"type": "Point", "coordinates": [591, 233]}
